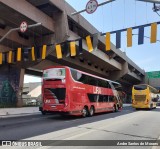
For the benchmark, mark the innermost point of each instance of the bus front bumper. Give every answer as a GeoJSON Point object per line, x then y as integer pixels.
{"type": "Point", "coordinates": [140, 106]}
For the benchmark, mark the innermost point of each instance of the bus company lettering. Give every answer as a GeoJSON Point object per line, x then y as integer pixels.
{"type": "Point", "coordinates": [96, 90]}
{"type": "Point", "coordinates": [77, 87]}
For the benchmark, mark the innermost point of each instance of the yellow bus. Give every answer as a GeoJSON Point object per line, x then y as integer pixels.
{"type": "Point", "coordinates": [144, 96]}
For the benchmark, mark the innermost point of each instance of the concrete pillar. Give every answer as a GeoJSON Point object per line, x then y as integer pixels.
{"type": "Point", "coordinates": [20, 89]}
{"type": "Point", "coordinates": [61, 24]}
{"type": "Point", "coordinates": [9, 85]}
{"type": "Point", "coordinates": [116, 75]}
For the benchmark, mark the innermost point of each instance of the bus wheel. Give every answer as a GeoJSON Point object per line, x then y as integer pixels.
{"type": "Point", "coordinates": [91, 111]}
{"type": "Point", "coordinates": [84, 112]}
{"type": "Point", "coordinates": [43, 112]}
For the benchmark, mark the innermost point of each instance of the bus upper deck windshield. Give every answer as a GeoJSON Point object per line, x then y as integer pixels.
{"type": "Point", "coordinates": [54, 73]}
{"type": "Point", "coordinates": [140, 87]}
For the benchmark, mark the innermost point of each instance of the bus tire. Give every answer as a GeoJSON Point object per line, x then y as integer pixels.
{"type": "Point", "coordinates": [91, 111]}
{"type": "Point", "coordinates": [43, 112]}
{"type": "Point", "coordinates": [84, 112]}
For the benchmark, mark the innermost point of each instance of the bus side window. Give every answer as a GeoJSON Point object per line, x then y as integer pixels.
{"type": "Point", "coordinates": [74, 74]}
{"type": "Point", "coordinates": [111, 98]}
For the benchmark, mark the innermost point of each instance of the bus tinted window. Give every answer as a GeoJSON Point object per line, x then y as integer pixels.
{"type": "Point", "coordinates": [86, 79]}
{"type": "Point", "coordinates": [103, 83]}
{"type": "Point", "coordinates": [100, 98]}
{"type": "Point", "coordinates": [140, 87]}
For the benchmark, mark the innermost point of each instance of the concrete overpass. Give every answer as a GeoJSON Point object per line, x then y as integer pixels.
{"type": "Point", "coordinates": [57, 26]}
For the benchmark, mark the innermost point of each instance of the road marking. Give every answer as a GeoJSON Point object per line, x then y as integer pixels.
{"type": "Point", "coordinates": [90, 131]}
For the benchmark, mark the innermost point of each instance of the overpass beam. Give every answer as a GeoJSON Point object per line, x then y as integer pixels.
{"type": "Point", "coordinates": [98, 53]}
{"type": "Point", "coordinates": [61, 23]}
{"type": "Point", "coordinates": [14, 37]}
{"type": "Point", "coordinates": [116, 75]}
{"type": "Point", "coordinates": [135, 76]}
{"type": "Point", "coordinates": [31, 12]}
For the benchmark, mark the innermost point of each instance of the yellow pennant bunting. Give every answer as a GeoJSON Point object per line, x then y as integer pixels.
{"type": "Point", "coordinates": [19, 54]}
{"type": "Point", "coordinates": [153, 38]}
{"type": "Point", "coordinates": [44, 51]}
{"type": "Point", "coordinates": [59, 51]}
{"type": "Point", "coordinates": [73, 48]}
{"type": "Point", "coordinates": [108, 42]}
{"type": "Point", "coordinates": [33, 54]}
{"type": "Point", "coordinates": [89, 43]}
{"type": "Point", "coordinates": [10, 57]}
{"type": "Point", "coordinates": [129, 37]}
{"type": "Point", "coordinates": [1, 58]}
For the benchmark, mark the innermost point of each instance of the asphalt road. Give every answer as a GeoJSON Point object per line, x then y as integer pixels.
{"type": "Point", "coordinates": [128, 124]}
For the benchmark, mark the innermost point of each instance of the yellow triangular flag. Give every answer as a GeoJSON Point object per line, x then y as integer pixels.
{"type": "Point", "coordinates": [73, 48]}
{"type": "Point", "coordinates": [19, 54]}
{"type": "Point", "coordinates": [10, 57]}
{"type": "Point", "coordinates": [108, 42]}
{"type": "Point", "coordinates": [129, 37]}
{"type": "Point", "coordinates": [59, 51]}
{"type": "Point", "coordinates": [89, 43]}
{"type": "Point", "coordinates": [44, 49]}
{"type": "Point", "coordinates": [153, 38]}
{"type": "Point", "coordinates": [33, 54]}
{"type": "Point", "coordinates": [1, 58]}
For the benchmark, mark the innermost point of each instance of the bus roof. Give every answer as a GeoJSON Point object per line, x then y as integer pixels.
{"type": "Point", "coordinates": [83, 73]}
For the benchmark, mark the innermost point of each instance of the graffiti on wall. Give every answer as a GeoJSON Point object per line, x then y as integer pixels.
{"type": "Point", "coordinates": [9, 82]}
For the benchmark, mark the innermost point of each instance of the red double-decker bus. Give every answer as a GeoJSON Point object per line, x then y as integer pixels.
{"type": "Point", "coordinates": [70, 91]}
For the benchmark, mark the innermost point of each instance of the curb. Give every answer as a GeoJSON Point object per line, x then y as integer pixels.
{"type": "Point", "coordinates": [18, 115]}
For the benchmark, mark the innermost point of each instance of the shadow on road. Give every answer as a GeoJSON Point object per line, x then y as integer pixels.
{"type": "Point", "coordinates": [29, 126]}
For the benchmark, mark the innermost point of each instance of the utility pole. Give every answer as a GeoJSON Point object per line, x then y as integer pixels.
{"type": "Point", "coordinates": [16, 29]}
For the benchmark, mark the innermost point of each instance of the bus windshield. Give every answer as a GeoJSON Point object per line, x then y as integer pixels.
{"type": "Point", "coordinates": [54, 73]}
{"type": "Point", "coordinates": [140, 87]}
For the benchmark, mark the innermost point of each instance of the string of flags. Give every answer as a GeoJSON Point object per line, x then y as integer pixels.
{"type": "Point", "coordinates": [73, 48]}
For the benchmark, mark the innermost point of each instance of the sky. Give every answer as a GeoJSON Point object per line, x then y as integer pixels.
{"type": "Point", "coordinates": [121, 14]}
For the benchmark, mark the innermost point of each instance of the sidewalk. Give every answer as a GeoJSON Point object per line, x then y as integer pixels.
{"type": "Point", "coordinates": [12, 112]}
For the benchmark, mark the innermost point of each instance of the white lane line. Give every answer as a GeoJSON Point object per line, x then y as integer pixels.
{"type": "Point", "coordinates": [90, 131]}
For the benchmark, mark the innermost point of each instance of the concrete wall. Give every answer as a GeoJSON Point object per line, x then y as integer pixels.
{"type": "Point", "coordinates": [9, 84]}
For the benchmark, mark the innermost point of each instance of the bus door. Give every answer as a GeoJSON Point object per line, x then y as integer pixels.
{"type": "Point", "coordinates": [54, 87]}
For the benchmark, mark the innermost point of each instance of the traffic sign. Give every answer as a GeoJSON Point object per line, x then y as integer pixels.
{"type": "Point", "coordinates": [153, 74]}
{"type": "Point", "coordinates": [23, 27]}
{"type": "Point", "coordinates": [91, 6]}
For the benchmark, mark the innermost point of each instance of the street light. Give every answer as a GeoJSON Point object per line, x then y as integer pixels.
{"type": "Point", "coordinates": [155, 7]}
{"type": "Point", "coordinates": [151, 1]}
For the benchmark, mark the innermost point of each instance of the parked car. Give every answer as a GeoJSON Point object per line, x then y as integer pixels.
{"type": "Point", "coordinates": [32, 102]}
